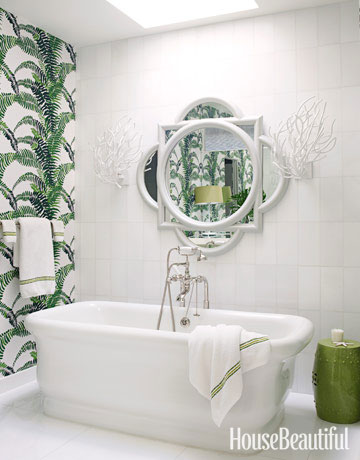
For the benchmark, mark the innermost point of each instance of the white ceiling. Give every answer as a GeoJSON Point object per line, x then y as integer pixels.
{"type": "Point", "coordinates": [87, 22]}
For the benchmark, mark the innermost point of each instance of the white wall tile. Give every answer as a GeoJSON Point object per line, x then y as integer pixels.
{"type": "Point", "coordinates": [153, 285]}
{"type": "Point", "coordinates": [263, 34]}
{"type": "Point", "coordinates": [307, 69]}
{"type": "Point", "coordinates": [103, 240]}
{"type": "Point", "coordinates": [245, 249]}
{"type": "Point", "coordinates": [135, 54]}
{"type": "Point", "coordinates": [352, 290]}
{"type": "Point", "coordinates": [351, 244]}
{"type": "Point", "coordinates": [329, 24]}
{"type": "Point", "coordinates": [86, 268]}
{"type": "Point", "coordinates": [135, 280]}
{"type": "Point", "coordinates": [349, 26]}
{"type": "Point", "coordinates": [103, 202]}
{"type": "Point", "coordinates": [265, 286]}
{"type": "Point", "coordinates": [331, 320]}
{"type": "Point", "coordinates": [288, 208]}
{"type": "Point", "coordinates": [225, 283]}
{"type": "Point", "coordinates": [350, 154]}
{"type": "Point", "coordinates": [331, 199]}
{"type": "Point", "coordinates": [329, 62]}
{"type": "Point", "coordinates": [350, 64]}
{"type": "Point", "coordinates": [119, 92]}
{"type": "Point", "coordinates": [119, 57]}
{"type": "Point", "coordinates": [265, 251]}
{"type": "Point", "coordinates": [87, 241]}
{"type": "Point", "coordinates": [152, 52]}
{"type": "Point", "coordinates": [351, 199]}
{"type": "Point", "coordinates": [151, 242]}
{"type": "Point", "coordinates": [135, 241]}
{"type": "Point", "coordinates": [245, 285]}
{"type": "Point", "coordinates": [287, 243]}
{"type": "Point", "coordinates": [119, 279]}
{"type": "Point", "coordinates": [306, 28]}
{"type": "Point", "coordinates": [287, 286]}
{"type": "Point", "coordinates": [331, 164]}
{"type": "Point", "coordinates": [103, 277]}
{"type": "Point", "coordinates": [350, 98]}
{"type": "Point", "coordinates": [309, 200]}
{"type": "Point", "coordinates": [351, 326]}
{"type": "Point", "coordinates": [331, 244]}
{"type": "Point", "coordinates": [119, 240]}
{"type": "Point", "coordinates": [332, 285]}
{"type": "Point", "coordinates": [284, 31]}
{"type": "Point", "coordinates": [309, 288]}
{"type": "Point", "coordinates": [309, 243]}
{"type": "Point", "coordinates": [285, 71]}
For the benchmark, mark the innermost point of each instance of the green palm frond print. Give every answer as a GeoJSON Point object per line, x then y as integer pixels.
{"type": "Point", "coordinates": [37, 113]}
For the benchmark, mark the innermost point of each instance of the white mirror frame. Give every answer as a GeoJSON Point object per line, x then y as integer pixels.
{"type": "Point", "coordinates": [164, 153]}
{"type": "Point", "coordinates": [208, 100]}
{"type": "Point", "coordinates": [262, 208]}
{"type": "Point", "coordinates": [281, 187]}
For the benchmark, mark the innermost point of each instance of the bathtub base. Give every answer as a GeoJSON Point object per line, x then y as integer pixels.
{"type": "Point", "coordinates": [155, 428]}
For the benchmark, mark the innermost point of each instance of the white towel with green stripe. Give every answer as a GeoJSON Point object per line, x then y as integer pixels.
{"type": "Point", "coordinates": [34, 256]}
{"type": "Point", "coordinates": [57, 227]}
{"type": "Point", "coordinates": [8, 231]}
{"type": "Point", "coordinates": [218, 358]}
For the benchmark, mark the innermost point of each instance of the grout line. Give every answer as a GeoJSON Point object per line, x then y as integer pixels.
{"type": "Point", "coordinates": [84, 430]}
{"type": "Point", "coordinates": [179, 455]}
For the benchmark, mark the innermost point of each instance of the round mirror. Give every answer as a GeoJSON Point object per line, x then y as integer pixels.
{"type": "Point", "coordinates": [208, 175]}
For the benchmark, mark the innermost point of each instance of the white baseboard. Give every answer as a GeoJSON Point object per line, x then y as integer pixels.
{"type": "Point", "coordinates": [10, 382]}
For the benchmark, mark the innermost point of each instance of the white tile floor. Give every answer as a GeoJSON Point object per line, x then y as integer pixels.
{"type": "Point", "coordinates": [27, 434]}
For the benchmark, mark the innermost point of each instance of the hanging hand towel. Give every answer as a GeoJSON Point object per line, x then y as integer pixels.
{"type": "Point", "coordinates": [218, 356]}
{"type": "Point", "coordinates": [8, 228]}
{"type": "Point", "coordinates": [57, 227]}
{"type": "Point", "coordinates": [34, 256]}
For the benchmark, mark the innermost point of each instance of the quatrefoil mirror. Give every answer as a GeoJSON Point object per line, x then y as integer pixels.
{"type": "Point", "coordinates": [210, 177]}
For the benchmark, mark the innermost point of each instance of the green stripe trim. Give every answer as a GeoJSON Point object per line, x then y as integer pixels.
{"type": "Point", "coordinates": [58, 234]}
{"type": "Point", "coordinates": [226, 377]}
{"type": "Point", "coordinates": [9, 233]}
{"type": "Point", "coordinates": [251, 342]}
{"type": "Point", "coordinates": [236, 366]}
{"type": "Point", "coordinates": [39, 278]}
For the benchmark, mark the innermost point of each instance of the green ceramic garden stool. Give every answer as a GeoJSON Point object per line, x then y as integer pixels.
{"type": "Point", "coordinates": [336, 381]}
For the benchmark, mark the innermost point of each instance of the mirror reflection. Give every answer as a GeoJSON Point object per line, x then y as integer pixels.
{"type": "Point", "coordinates": [209, 174]}
{"type": "Point", "coordinates": [208, 110]}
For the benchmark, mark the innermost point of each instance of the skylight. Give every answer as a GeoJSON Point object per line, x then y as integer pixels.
{"type": "Point", "coordinates": [154, 13]}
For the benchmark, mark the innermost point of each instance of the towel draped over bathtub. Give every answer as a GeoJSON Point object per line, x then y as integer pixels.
{"type": "Point", "coordinates": [218, 357]}
{"type": "Point", "coordinates": [34, 255]}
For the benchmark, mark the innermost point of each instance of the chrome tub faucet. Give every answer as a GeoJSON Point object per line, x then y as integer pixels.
{"type": "Point", "coordinates": [187, 283]}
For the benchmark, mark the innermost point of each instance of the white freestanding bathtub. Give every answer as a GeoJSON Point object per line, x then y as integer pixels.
{"type": "Point", "coordinates": [103, 363]}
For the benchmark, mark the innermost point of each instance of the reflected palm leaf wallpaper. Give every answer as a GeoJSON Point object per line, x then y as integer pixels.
{"type": "Point", "coordinates": [190, 166]}
{"type": "Point", "coordinates": [37, 113]}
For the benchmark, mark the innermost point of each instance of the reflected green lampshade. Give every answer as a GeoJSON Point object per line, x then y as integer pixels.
{"type": "Point", "coordinates": [208, 194]}
{"type": "Point", "coordinates": [226, 192]}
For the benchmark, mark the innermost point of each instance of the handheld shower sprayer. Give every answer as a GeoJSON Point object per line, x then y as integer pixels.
{"type": "Point", "coordinates": [191, 251]}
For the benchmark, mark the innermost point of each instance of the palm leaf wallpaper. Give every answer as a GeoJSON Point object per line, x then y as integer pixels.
{"type": "Point", "coordinates": [37, 113]}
